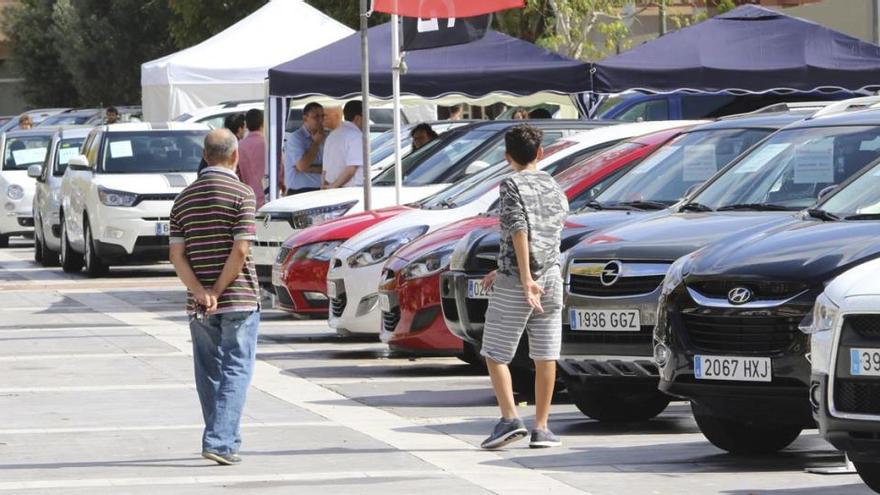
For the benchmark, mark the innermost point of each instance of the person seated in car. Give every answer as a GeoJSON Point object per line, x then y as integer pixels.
{"type": "Point", "coordinates": [421, 135]}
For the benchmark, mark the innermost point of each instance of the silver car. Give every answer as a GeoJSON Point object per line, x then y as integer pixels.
{"type": "Point", "coordinates": [65, 145]}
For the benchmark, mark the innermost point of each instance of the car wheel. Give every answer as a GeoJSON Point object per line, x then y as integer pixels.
{"type": "Point", "coordinates": [870, 474]}
{"type": "Point", "coordinates": [4, 241]}
{"type": "Point", "coordinates": [94, 266]}
{"type": "Point", "coordinates": [50, 258]}
{"type": "Point", "coordinates": [608, 405]}
{"type": "Point", "coordinates": [38, 244]}
{"type": "Point", "coordinates": [71, 261]}
{"type": "Point", "coordinates": [742, 438]}
{"type": "Point", "coordinates": [471, 355]}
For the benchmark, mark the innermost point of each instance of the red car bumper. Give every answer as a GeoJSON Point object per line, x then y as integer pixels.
{"type": "Point", "coordinates": [414, 321]}
{"type": "Point", "coordinates": [303, 288]}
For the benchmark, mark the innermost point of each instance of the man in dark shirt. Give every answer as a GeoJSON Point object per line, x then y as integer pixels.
{"type": "Point", "coordinates": [212, 227]}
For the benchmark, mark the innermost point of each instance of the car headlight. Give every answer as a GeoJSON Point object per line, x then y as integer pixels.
{"type": "Point", "coordinates": [109, 197]}
{"type": "Point", "coordinates": [675, 274]}
{"type": "Point", "coordinates": [14, 192]}
{"type": "Point", "coordinates": [822, 318]}
{"type": "Point", "coordinates": [315, 216]}
{"type": "Point", "coordinates": [320, 251]}
{"type": "Point", "coordinates": [381, 250]}
{"type": "Point", "coordinates": [458, 258]}
{"type": "Point", "coordinates": [427, 265]}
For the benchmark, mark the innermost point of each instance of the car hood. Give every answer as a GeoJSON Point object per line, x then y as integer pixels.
{"type": "Point", "coordinates": [669, 237]}
{"type": "Point", "coordinates": [806, 250]}
{"type": "Point", "coordinates": [343, 228]}
{"type": "Point", "coordinates": [146, 183]}
{"type": "Point", "coordinates": [447, 236]}
{"type": "Point", "coordinates": [382, 197]}
{"type": "Point", "coordinates": [860, 280]}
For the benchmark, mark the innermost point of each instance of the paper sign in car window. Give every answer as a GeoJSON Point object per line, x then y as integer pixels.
{"type": "Point", "coordinates": [29, 155]}
{"type": "Point", "coordinates": [700, 162]}
{"type": "Point", "coordinates": [65, 154]}
{"type": "Point", "coordinates": [814, 162]}
{"type": "Point", "coordinates": [755, 161]}
{"type": "Point", "coordinates": [655, 159]}
{"type": "Point", "coordinates": [121, 149]}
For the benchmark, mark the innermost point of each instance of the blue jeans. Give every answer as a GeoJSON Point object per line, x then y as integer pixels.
{"type": "Point", "coordinates": [224, 349]}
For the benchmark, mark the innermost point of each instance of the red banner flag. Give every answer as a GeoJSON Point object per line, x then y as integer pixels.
{"type": "Point", "coordinates": [444, 9]}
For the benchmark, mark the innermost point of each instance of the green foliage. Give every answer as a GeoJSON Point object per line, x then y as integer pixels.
{"type": "Point", "coordinates": [48, 83]}
{"type": "Point", "coordinates": [347, 12]}
{"type": "Point", "coordinates": [195, 20]}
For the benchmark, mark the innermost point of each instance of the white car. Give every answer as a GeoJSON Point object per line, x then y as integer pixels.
{"type": "Point", "coordinates": [455, 155]}
{"type": "Point", "coordinates": [65, 144]}
{"type": "Point", "coordinates": [215, 115]}
{"type": "Point", "coordinates": [117, 195]}
{"type": "Point", "coordinates": [20, 150]}
{"type": "Point", "coordinates": [356, 266]}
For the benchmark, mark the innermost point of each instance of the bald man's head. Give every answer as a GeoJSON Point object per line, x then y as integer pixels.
{"type": "Point", "coordinates": [221, 149]}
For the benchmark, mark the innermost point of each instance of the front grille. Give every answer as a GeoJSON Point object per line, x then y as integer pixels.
{"type": "Point", "coordinates": [625, 286]}
{"type": "Point", "coordinates": [486, 261]}
{"type": "Point", "coordinates": [390, 319]}
{"type": "Point", "coordinates": [857, 396]}
{"type": "Point", "coordinates": [156, 197]}
{"type": "Point", "coordinates": [337, 305]}
{"type": "Point", "coordinates": [282, 255]}
{"type": "Point", "coordinates": [761, 335]}
{"type": "Point", "coordinates": [643, 336]}
{"type": "Point", "coordinates": [476, 309]}
{"type": "Point", "coordinates": [283, 296]}
{"type": "Point", "coordinates": [867, 326]}
{"type": "Point", "coordinates": [761, 291]}
{"type": "Point", "coordinates": [268, 244]}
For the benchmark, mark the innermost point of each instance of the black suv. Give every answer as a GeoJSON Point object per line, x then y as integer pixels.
{"type": "Point", "coordinates": [727, 334]}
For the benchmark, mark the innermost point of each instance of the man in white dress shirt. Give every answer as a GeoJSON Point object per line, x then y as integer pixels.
{"type": "Point", "coordinates": [343, 150]}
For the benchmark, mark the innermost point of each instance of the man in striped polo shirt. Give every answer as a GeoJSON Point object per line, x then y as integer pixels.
{"type": "Point", "coordinates": [212, 227]}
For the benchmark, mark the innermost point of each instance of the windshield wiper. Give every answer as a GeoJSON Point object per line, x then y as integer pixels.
{"type": "Point", "coordinates": [645, 205]}
{"type": "Point", "coordinates": [822, 215]}
{"type": "Point", "coordinates": [447, 203]}
{"type": "Point", "coordinates": [863, 216]}
{"type": "Point", "coordinates": [755, 206]}
{"type": "Point", "coordinates": [594, 205]}
{"type": "Point", "coordinates": [695, 207]}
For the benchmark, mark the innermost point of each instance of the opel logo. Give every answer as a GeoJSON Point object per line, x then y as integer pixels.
{"type": "Point", "coordinates": [739, 295]}
{"type": "Point", "coordinates": [610, 273]}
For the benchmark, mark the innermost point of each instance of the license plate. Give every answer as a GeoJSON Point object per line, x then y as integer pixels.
{"type": "Point", "coordinates": [476, 289]}
{"type": "Point", "coordinates": [384, 303]}
{"type": "Point", "coordinates": [864, 362]}
{"type": "Point", "coordinates": [605, 320]}
{"type": "Point", "coordinates": [163, 228]}
{"type": "Point", "coordinates": [331, 289]}
{"type": "Point", "coordinates": [744, 369]}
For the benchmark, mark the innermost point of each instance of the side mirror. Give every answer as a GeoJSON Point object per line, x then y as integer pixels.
{"type": "Point", "coordinates": [477, 166]}
{"type": "Point", "coordinates": [826, 191]}
{"type": "Point", "coordinates": [35, 171]}
{"type": "Point", "coordinates": [79, 162]}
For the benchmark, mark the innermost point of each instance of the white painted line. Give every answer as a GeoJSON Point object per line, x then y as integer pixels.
{"type": "Point", "coordinates": [328, 477]}
{"type": "Point", "coordinates": [115, 429]}
{"type": "Point", "coordinates": [485, 469]}
{"type": "Point", "coordinates": [97, 388]}
{"type": "Point", "coordinates": [108, 355]}
{"type": "Point", "coordinates": [399, 379]}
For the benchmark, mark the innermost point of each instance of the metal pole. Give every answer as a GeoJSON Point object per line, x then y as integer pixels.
{"type": "Point", "coordinates": [875, 21]}
{"type": "Point", "coordinates": [662, 17]}
{"type": "Point", "coordinates": [365, 95]}
{"type": "Point", "coordinates": [395, 89]}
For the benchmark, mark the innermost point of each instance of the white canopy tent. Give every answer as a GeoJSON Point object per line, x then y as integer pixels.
{"type": "Point", "coordinates": [233, 64]}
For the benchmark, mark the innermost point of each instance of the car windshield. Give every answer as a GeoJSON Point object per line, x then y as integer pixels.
{"type": "Point", "coordinates": [858, 200]}
{"type": "Point", "coordinates": [67, 119]}
{"type": "Point", "coordinates": [465, 191]}
{"type": "Point", "coordinates": [667, 173]}
{"type": "Point", "coordinates": [790, 169]}
{"type": "Point", "coordinates": [152, 152]}
{"type": "Point", "coordinates": [423, 172]}
{"type": "Point", "coordinates": [383, 151]}
{"type": "Point", "coordinates": [66, 149]}
{"type": "Point", "coordinates": [23, 151]}
{"type": "Point", "coordinates": [593, 163]}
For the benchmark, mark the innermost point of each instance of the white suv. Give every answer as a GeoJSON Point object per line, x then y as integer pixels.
{"type": "Point", "coordinates": [19, 150]}
{"type": "Point", "coordinates": [117, 195]}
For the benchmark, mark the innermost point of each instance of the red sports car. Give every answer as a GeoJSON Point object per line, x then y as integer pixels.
{"type": "Point", "coordinates": [409, 295]}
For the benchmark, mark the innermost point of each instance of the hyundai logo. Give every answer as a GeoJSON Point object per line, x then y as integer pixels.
{"type": "Point", "coordinates": [610, 273]}
{"type": "Point", "coordinates": [739, 295]}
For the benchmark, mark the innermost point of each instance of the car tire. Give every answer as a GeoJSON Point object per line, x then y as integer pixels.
{"type": "Point", "coordinates": [93, 264]}
{"type": "Point", "coordinates": [71, 261]}
{"type": "Point", "coordinates": [608, 405]}
{"type": "Point", "coordinates": [38, 243]}
{"type": "Point", "coordinates": [4, 241]}
{"type": "Point", "coordinates": [50, 257]}
{"type": "Point", "coordinates": [741, 438]}
{"type": "Point", "coordinates": [870, 474]}
{"type": "Point", "coordinates": [471, 355]}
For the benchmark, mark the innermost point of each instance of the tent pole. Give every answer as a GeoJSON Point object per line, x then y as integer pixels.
{"type": "Point", "coordinates": [395, 85]}
{"type": "Point", "coordinates": [365, 96]}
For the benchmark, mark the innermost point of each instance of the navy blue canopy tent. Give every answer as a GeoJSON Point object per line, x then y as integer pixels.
{"type": "Point", "coordinates": [747, 50]}
{"type": "Point", "coordinates": [495, 64]}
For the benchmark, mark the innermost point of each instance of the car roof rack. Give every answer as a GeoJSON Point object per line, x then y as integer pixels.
{"type": "Point", "coordinates": [781, 107]}
{"type": "Point", "coordinates": [235, 103]}
{"type": "Point", "coordinates": [848, 105]}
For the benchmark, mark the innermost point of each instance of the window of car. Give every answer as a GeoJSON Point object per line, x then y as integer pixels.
{"type": "Point", "coordinates": [647, 110]}
{"type": "Point", "coordinates": [23, 151]}
{"type": "Point", "coordinates": [68, 119]}
{"type": "Point", "coordinates": [588, 194]}
{"type": "Point", "coordinates": [790, 168]}
{"type": "Point", "coordinates": [702, 106]}
{"type": "Point", "coordinates": [152, 152]}
{"type": "Point", "coordinates": [215, 121]}
{"type": "Point", "coordinates": [860, 197]}
{"type": "Point", "coordinates": [66, 149]}
{"type": "Point", "coordinates": [423, 170]}
{"type": "Point", "coordinates": [91, 148]}
{"type": "Point", "coordinates": [669, 172]}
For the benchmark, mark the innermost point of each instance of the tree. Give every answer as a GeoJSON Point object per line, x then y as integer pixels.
{"type": "Point", "coordinates": [47, 82]}
{"type": "Point", "coordinates": [347, 12]}
{"type": "Point", "coordinates": [578, 24]}
{"type": "Point", "coordinates": [194, 21]}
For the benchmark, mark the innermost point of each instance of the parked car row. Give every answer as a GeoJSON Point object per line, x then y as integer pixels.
{"type": "Point", "coordinates": [693, 255]}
